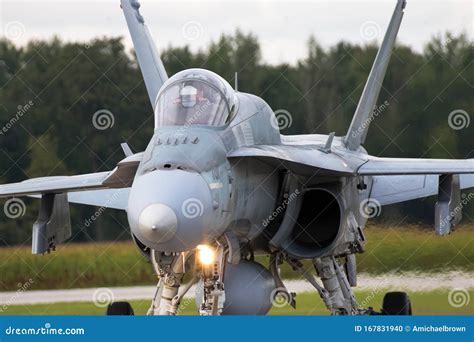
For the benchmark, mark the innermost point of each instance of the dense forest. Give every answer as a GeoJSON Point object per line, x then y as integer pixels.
{"type": "Point", "coordinates": [50, 91]}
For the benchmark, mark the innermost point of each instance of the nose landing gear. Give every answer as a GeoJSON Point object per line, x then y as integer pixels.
{"type": "Point", "coordinates": [170, 270]}
{"type": "Point", "coordinates": [213, 296]}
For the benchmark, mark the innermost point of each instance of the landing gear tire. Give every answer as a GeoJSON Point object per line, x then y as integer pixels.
{"type": "Point", "coordinates": [120, 309]}
{"type": "Point", "coordinates": [396, 303]}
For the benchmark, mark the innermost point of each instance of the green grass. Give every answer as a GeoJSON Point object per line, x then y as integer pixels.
{"type": "Point", "coordinates": [119, 263]}
{"type": "Point", "coordinates": [423, 303]}
{"type": "Point", "coordinates": [413, 249]}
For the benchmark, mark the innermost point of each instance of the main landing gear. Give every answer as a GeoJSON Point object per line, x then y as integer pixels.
{"type": "Point", "coordinates": [251, 287]}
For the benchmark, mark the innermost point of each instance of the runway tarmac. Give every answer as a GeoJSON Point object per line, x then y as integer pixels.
{"type": "Point", "coordinates": [408, 281]}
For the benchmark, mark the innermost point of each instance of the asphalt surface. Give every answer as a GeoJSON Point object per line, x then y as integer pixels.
{"type": "Point", "coordinates": [408, 282]}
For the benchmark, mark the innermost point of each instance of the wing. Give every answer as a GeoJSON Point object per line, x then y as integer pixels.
{"type": "Point", "coordinates": [107, 198]}
{"type": "Point", "coordinates": [59, 184]}
{"type": "Point", "coordinates": [153, 71]}
{"type": "Point", "coordinates": [121, 177]}
{"type": "Point", "coordinates": [447, 186]}
{"type": "Point", "coordinates": [395, 189]}
{"type": "Point", "coordinates": [53, 225]}
{"type": "Point", "coordinates": [412, 166]}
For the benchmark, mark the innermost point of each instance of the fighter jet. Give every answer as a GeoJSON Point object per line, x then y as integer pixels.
{"type": "Point", "coordinates": [218, 185]}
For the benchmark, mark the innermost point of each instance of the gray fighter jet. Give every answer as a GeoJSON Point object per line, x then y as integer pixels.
{"type": "Point", "coordinates": [218, 184]}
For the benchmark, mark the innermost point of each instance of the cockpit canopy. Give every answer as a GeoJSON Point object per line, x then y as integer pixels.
{"type": "Point", "coordinates": [195, 97]}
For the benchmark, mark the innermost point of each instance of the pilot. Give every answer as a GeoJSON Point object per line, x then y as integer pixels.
{"type": "Point", "coordinates": [195, 101]}
{"type": "Point", "coordinates": [193, 94]}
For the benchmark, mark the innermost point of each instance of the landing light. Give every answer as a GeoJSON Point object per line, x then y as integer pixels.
{"type": "Point", "coordinates": [206, 255]}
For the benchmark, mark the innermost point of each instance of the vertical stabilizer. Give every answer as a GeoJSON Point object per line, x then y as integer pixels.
{"type": "Point", "coordinates": [153, 71]}
{"type": "Point", "coordinates": [363, 115]}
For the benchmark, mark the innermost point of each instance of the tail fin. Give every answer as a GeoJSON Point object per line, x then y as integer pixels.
{"type": "Point", "coordinates": [360, 122]}
{"type": "Point", "coordinates": [153, 71]}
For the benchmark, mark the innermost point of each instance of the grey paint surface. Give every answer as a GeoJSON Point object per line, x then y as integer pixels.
{"type": "Point", "coordinates": [201, 177]}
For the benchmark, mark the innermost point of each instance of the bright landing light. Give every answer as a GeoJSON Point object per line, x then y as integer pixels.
{"type": "Point", "coordinates": [206, 255]}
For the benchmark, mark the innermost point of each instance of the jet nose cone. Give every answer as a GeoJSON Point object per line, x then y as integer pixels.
{"type": "Point", "coordinates": [158, 223]}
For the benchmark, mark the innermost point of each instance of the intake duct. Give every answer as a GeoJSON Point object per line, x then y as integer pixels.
{"type": "Point", "coordinates": [318, 213]}
{"type": "Point", "coordinates": [318, 221]}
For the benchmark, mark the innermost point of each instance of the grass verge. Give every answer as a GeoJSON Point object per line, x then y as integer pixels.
{"type": "Point", "coordinates": [109, 264]}
{"type": "Point", "coordinates": [423, 303]}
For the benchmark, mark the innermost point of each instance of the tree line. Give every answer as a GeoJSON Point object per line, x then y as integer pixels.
{"type": "Point", "coordinates": [51, 89]}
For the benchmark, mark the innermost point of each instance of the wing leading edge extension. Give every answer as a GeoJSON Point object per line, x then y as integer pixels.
{"type": "Point", "coordinates": [299, 159]}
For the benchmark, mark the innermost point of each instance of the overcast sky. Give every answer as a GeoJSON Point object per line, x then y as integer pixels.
{"type": "Point", "coordinates": [283, 27]}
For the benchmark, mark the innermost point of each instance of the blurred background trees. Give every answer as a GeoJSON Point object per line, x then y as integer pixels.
{"type": "Point", "coordinates": [68, 82]}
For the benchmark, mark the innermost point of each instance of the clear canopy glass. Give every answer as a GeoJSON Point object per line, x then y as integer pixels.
{"type": "Point", "coordinates": [195, 97]}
